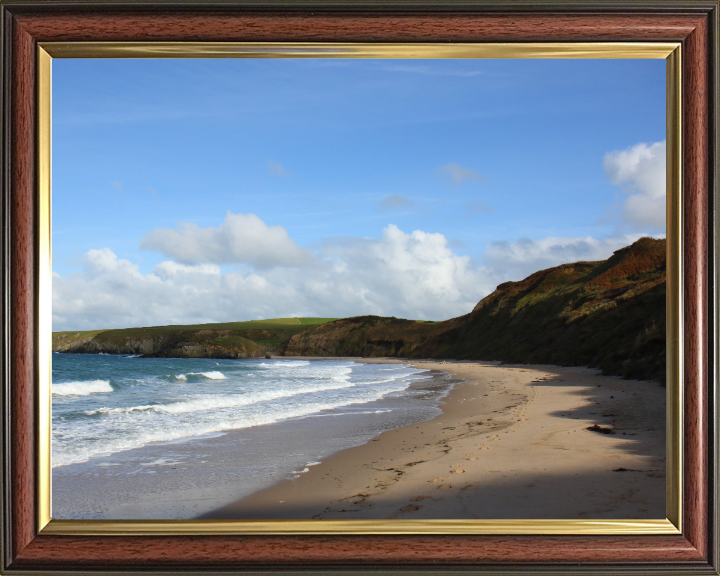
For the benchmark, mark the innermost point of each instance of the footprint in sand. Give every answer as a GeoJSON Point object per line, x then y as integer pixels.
{"type": "Point", "coordinates": [458, 471]}
{"type": "Point", "coordinates": [438, 480]}
{"type": "Point", "coordinates": [410, 508]}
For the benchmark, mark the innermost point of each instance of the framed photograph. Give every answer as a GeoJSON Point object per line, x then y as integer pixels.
{"type": "Point", "coordinates": [297, 73]}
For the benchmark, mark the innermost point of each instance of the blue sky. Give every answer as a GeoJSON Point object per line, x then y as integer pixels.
{"type": "Point", "coordinates": [212, 190]}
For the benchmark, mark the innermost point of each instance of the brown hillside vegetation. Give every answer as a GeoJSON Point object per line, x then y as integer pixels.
{"type": "Point", "coordinates": [608, 314]}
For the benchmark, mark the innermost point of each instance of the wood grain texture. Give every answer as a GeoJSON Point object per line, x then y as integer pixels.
{"type": "Point", "coordinates": [32, 552]}
{"type": "Point", "coordinates": [22, 292]}
{"type": "Point", "coordinates": [282, 550]}
{"type": "Point", "coordinates": [696, 191]}
{"type": "Point", "coordinates": [249, 27]}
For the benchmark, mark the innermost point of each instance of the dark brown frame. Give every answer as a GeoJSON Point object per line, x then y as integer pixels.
{"type": "Point", "coordinates": [694, 23]}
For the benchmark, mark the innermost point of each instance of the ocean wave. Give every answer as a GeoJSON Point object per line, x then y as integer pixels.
{"type": "Point", "coordinates": [82, 388]}
{"type": "Point", "coordinates": [218, 401]}
{"type": "Point", "coordinates": [213, 375]}
{"type": "Point", "coordinates": [76, 447]}
{"type": "Point", "coordinates": [285, 363]}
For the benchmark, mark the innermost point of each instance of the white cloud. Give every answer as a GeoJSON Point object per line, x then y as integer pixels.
{"type": "Point", "coordinates": [408, 275]}
{"type": "Point", "coordinates": [459, 174]}
{"type": "Point", "coordinates": [241, 238]}
{"type": "Point", "coordinates": [413, 275]}
{"type": "Point", "coordinates": [520, 259]}
{"type": "Point", "coordinates": [640, 171]}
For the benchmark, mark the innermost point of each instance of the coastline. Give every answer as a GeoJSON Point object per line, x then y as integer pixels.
{"type": "Point", "coordinates": [191, 475]}
{"type": "Point", "coordinates": [511, 442]}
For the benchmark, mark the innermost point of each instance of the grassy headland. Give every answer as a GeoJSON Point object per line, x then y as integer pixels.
{"type": "Point", "coordinates": [252, 339]}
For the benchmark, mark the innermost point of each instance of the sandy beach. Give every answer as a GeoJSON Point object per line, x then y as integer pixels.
{"type": "Point", "coordinates": [512, 442]}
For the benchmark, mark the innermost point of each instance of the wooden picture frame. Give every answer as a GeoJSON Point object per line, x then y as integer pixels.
{"type": "Point", "coordinates": [29, 548]}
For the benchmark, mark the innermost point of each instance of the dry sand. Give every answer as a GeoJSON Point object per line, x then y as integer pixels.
{"type": "Point", "coordinates": [512, 442]}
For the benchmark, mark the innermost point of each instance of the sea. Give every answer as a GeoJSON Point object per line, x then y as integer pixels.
{"type": "Point", "coordinates": [173, 438]}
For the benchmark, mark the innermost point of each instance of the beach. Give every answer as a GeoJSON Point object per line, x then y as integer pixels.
{"type": "Point", "coordinates": [511, 442]}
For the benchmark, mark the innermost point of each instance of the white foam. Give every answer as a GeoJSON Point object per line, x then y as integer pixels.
{"type": "Point", "coordinates": [215, 401]}
{"type": "Point", "coordinates": [82, 388]}
{"type": "Point", "coordinates": [285, 363]}
{"type": "Point", "coordinates": [213, 375]}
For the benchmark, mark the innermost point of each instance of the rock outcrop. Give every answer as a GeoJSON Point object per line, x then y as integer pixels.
{"type": "Point", "coordinates": [170, 344]}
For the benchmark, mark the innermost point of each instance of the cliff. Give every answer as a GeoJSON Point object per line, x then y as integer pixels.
{"type": "Point", "coordinates": [608, 314]}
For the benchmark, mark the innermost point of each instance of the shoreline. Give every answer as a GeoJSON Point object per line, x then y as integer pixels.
{"type": "Point", "coordinates": [511, 442]}
{"type": "Point", "coordinates": [188, 476]}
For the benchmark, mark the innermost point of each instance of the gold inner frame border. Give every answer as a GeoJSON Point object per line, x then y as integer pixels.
{"type": "Point", "coordinates": [670, 51]}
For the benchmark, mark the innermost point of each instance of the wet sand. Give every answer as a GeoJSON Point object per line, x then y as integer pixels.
{"type": "Point", "coordinates": [511, 442]}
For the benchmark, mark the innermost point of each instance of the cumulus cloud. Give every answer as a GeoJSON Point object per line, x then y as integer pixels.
{"type": "Point", "coordinates": [410, 275]}
{"type": "Point", "coordinates": [394, 201]}
{"type": "Point", "coordinates": [519, 259]}
{"type": "Point", "coordinates": [241, 238]}
{"type": "Point", "coordinates": [640, 172]}
{"type": "Point", "coordinates": [457, 174]}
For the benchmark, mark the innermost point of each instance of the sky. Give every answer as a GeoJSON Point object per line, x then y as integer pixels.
{"type": "Point", "coordinates": [191, 191]}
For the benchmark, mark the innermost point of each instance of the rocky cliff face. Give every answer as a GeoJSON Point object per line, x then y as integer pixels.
{"type": "Point", "coordinates": [608, 314]}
